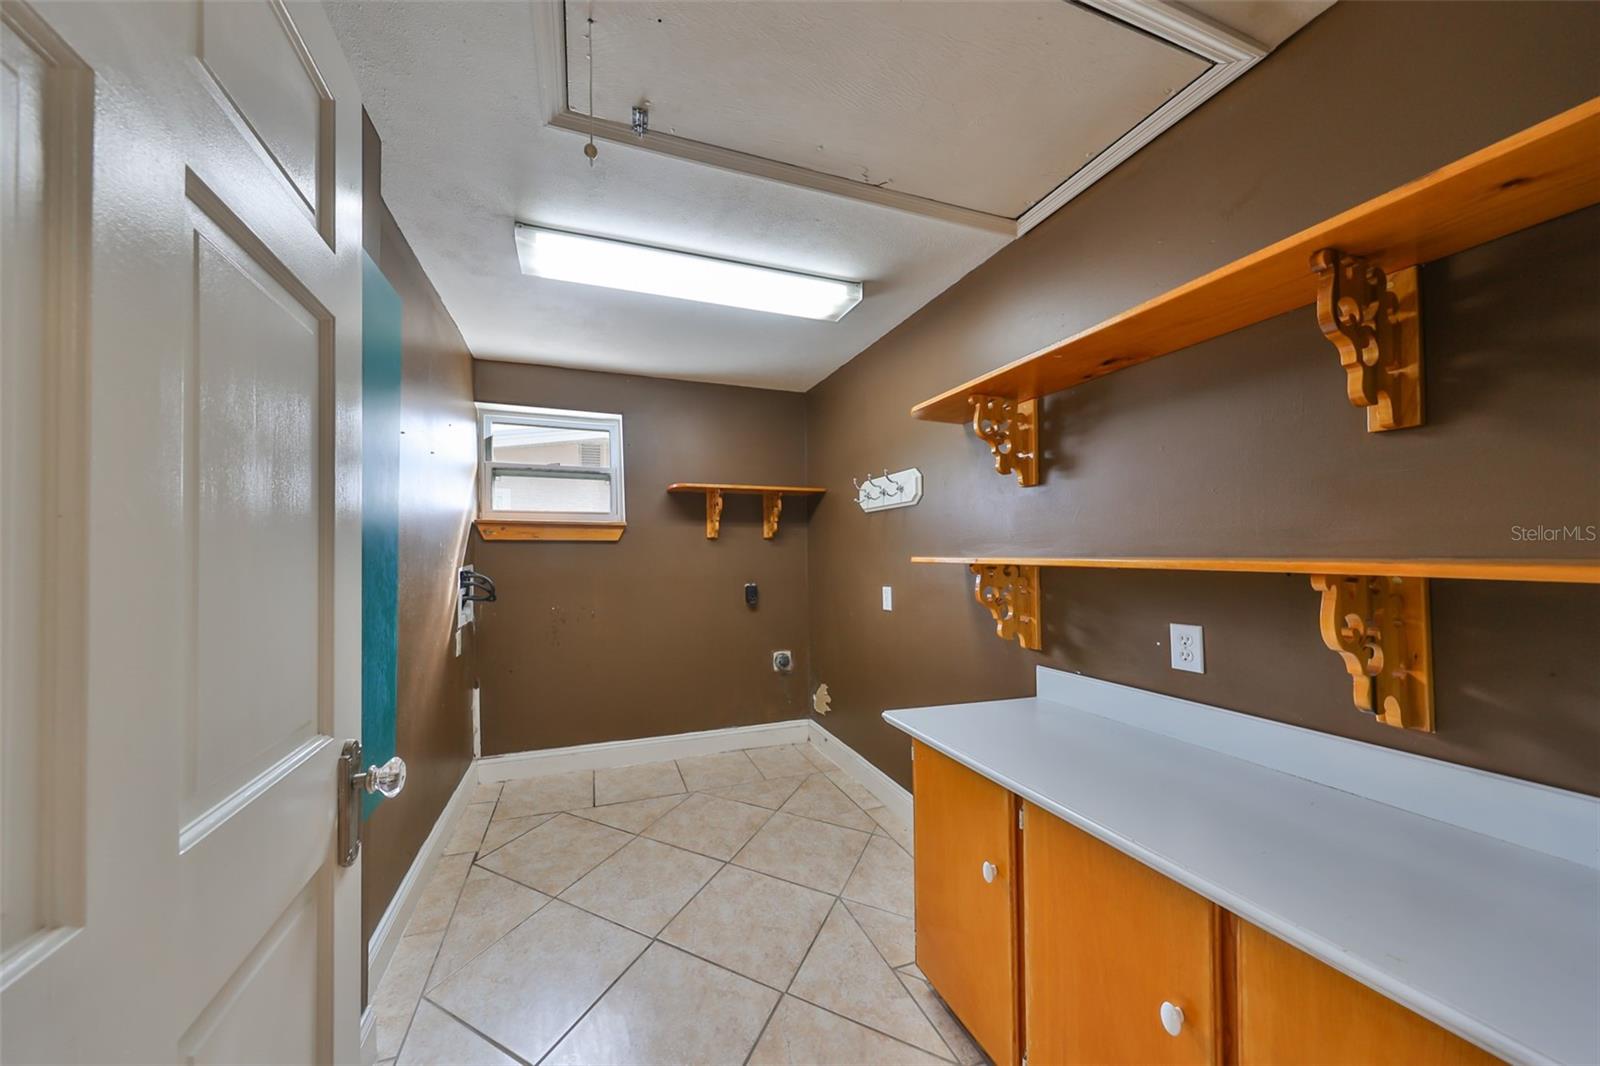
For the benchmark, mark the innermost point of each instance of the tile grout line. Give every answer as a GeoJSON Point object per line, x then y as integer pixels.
{"type": "Point", "coordinates": [477, 1032]}
{"type": "Point", "coordinates": [901, 980]}
{"type": "Point", "coordinates": [836, 897]}
{"type": "Point", "coordinates": [548, 899]}
{"type": "Point", "coordinates": [798, 967]}
{"type": "Point", "coordinates": [652, 940]}
{"type": "Point", "coordinates": [423, 991]}
{"type": "Point", "coordinates": [838, 901]}
{"type": "Point", "coordinates": [953, 1056]}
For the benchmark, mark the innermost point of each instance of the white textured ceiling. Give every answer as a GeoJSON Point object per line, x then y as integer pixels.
{"type": "Point", "coordinates": [453, 89]}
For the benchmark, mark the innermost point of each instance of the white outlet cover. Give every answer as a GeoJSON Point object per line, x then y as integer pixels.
{"type": "Point", "coordinates": [888, 598]}
{"type": "Point", "coordinates": [1188, 648]}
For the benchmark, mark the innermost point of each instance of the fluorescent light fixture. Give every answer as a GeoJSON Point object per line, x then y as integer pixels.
{"type": "Point", "coordinates": [561, 256]}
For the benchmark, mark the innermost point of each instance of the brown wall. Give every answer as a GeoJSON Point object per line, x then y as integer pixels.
{"type": "Point", "coordinates": [433, 716]}
{"type": "Point", "coordinates": [650, 635]}
{"type": "Point", "coordinates": [1246, 445]}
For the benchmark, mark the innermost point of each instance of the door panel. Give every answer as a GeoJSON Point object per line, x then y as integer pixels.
{"type": "Point", "coordinates": [273, 1009]}
{"type": "Point", "coordinates": [255, 54]}
{"type": "Point", "coordinates": [1292, 1008]}
{"type": "Point", "coordinates": [1107, 940]}
{"type": "Point", "coordinates": [223, 563]}
{"type": "Point", "coordinates": [966, 926]}
{"type": "Point", "coordinates": [258, 510]}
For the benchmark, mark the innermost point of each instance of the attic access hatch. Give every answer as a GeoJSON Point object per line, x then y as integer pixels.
{"type": "Point", "coordinates": [992, 115]}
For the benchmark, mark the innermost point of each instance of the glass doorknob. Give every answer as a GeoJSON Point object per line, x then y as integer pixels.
{"type": "Point", "coordinates": [386, 780]}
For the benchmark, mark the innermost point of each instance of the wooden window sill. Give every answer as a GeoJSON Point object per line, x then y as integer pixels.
{"type": "Point", "coordinates": [501, 529]}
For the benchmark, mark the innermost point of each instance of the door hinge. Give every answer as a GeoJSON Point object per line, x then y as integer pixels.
{"type": "Point", "coordinates": [1021, 812]}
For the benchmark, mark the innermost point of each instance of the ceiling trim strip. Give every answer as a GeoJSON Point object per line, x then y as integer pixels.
{"type": "Point", "coordinates": [760, 167]}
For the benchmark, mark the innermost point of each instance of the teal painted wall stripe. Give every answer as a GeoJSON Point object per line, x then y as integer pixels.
{"type": "Point", "coordinates": [381, 312]}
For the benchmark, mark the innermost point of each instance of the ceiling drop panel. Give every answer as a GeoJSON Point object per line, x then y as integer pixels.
{"type": "Point", "coordinates": [987, 106]}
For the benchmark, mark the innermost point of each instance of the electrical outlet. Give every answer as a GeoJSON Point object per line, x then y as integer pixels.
{"type": "Point", "coordinates": [1188, 648]}
{"type": "Point", "coordinates": [782, 661]}
{"type": "Point", "coordinates": [888, 598]}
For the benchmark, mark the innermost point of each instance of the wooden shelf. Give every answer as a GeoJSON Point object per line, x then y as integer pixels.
{"type": "Point", "coordinates": [1374, 612]}
{"type": "Point", "coordinates": [1568, 571]}
{"type": "Point", "coordinates": [1357, 281]}
{"type": "Point", "coordinates": [603, 532]}
{"type": "Point", "coordinates": [771, 501]}
{"type": "Point", "coordinates": [746, 490]}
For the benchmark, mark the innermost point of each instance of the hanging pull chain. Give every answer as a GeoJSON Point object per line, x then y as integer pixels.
{"type": "Point", "coordinates": [588, 37]}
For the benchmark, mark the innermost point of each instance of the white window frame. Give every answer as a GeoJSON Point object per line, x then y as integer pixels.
{"type": "Point", "coordinates": [610, 424]}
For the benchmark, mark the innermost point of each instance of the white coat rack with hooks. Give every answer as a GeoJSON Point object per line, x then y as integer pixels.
{"type": "Point", "coordinates": [885, 491]}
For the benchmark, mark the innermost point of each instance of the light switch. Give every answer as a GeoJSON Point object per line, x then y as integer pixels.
{"type": "Point", "coordinates": [888, 598]}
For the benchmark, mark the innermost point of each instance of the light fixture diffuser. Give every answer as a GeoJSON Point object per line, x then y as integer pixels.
{"type": "Point", "coordinates": [576, 257]}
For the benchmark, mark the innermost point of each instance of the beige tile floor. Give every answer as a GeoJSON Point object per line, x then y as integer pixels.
{"type": "Point", "coordinates": [747, 907]}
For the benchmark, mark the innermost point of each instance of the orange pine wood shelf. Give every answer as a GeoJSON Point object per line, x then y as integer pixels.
{"type": "Point", "coordinates": [1546, 171]}
{"type": "Point", "coordinates": [746, 490]}
{"type": "Point", "coordinates": [1569, 571]}
{"type": "Point", "coordinates": [771, 501]}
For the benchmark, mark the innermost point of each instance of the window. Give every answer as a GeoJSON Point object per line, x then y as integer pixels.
{"type": "Point", "coordinates": [538, 464]}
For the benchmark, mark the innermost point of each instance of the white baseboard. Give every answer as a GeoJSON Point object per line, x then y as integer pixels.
{"type": "Point", "coordinates": [386, 937]}
{"type": "Point", "coordinates": [369, 1036]}
{"type": "Point", "coordinates": [869, 777]}
{"type": "Point", "coordinates": [644, 749]}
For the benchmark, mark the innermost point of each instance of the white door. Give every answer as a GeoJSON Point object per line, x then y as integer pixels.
{"type": "Point", "coordinates": [181, 453]}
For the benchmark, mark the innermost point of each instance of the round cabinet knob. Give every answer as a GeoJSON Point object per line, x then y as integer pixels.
{"type": "Point", "coordinates": [1172, 1018]}
{"type": "Point", "coordinates": [989, 870]}
{"type": "Point", "coordinates": [388, 779]}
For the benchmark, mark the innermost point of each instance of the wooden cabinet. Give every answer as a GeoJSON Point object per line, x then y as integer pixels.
{"type": "Point", "coordinates": [1112, 951]}
{"type": "Point", "coordinates": [966, 903]}
{"type": "Point", "coordinates": [1289, 1007]}
{"type": "Point", "coordinates": [1046, 941]}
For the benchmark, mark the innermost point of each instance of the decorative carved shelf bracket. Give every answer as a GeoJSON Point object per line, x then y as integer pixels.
{"type": "Point", "coordinates": [1011, 430]}
{"type": "Point", "coordinates": [1371, 318]}
{"type": "Point", "coordinates": [1379, 627]}
{"type": "Point", "coordinates": [771, 507]}
{"type": "Point", "coordinates": [1011, 595]}
{"type": "Point", "coordinates": [713, 513]}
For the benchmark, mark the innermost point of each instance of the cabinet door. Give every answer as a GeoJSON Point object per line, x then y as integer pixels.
{"type": "Point", "coordinates": [966, 910]}
{"type": "Point", "coordinates": [1292, 1008]}
{"type": "Point", "coordinates": [1107, 943]}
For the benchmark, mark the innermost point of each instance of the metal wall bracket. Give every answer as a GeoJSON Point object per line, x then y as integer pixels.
{"type": "Point", "coordinates": [1379, 627]}
{"type": "Point", "coordinates": [1372, 320]}
{"type": "Point", "coordinates": [1011, 595]}
{"type": "Point", "coordinates": [1011, 430]}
